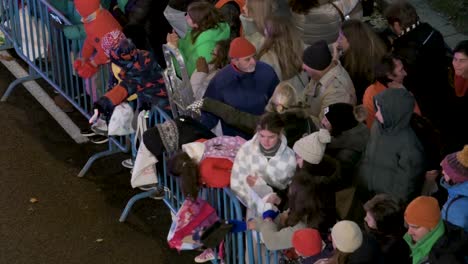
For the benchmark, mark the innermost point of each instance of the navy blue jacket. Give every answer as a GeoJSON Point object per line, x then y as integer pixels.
{"type": "Point", "coordinates": [247, 92]}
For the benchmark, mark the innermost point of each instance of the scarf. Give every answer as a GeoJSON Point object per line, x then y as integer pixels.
{"type": "Point", "coordinates": [408, 29]}
{"type": "Point", "coordinates": [421, 249]}
{"type": "Point", "coordinates": [270, 153]}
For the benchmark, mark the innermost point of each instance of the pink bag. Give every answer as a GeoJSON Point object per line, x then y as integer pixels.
{"type": "Point", "coordinates": [189, 222]}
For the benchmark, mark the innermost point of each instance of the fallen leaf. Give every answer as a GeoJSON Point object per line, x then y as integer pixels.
{"type": "Point", "coordinates": [33, 200]}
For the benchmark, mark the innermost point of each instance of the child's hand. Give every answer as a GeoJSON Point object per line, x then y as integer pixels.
{"type": "Point", "coordinates": [251, 180]}
{"type": "Point", "coordinates": [172, 39]}
{"type": "Point", "coordinates": [273, 199]}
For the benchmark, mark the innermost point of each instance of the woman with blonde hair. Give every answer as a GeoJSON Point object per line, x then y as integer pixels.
{"type": "Point", "coordinates": [282, 49]}
{"type": "Point", "coordinates": [362, 49]}
{"type": "Point", "coordinates": [254, 17]}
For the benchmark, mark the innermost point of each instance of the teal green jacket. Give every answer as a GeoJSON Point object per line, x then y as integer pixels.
{"type": "Point", "coordinates": [203, 46]}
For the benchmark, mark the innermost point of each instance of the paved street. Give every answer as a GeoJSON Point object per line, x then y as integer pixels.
{"type": "Point", "coordinates": [51, 216]}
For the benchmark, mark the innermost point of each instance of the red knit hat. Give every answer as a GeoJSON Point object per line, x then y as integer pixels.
{"type": "Point", "coordinates": [455, 165]}
{"type": "Point", "coordinates": [241, 48]}
{"type": "Point", "coordinates": [307, 242]}
{"type": "Point", "coordinates": [86, 7]}
{"type": "Point", "coordinates": [423, 211]}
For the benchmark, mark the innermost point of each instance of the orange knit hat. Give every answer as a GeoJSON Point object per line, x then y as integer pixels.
{"type": "Point", "coordinates": [241, 48]}
{"type": "Point", "coordinates": [423, 211]}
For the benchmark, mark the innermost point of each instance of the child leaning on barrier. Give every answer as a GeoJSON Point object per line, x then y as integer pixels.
{"type": "Point", "coordinates": [136, 73]}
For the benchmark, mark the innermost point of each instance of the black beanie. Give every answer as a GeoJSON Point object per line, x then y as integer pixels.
{"type": "Point", "coordinates": [341, 117]}
{"type": "Point", "coordinates": [317, 56]}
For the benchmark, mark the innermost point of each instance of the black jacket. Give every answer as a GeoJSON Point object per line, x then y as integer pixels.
{"type": "Point", "coordinates": [424, 55]}
{"type": "Point", "coordinates": [451, 248]}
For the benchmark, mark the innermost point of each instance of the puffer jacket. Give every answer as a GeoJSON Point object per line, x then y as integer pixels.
{"type": "Point", "coordinates": [394, 160]}
{"type": "Point", "coordinates": [454, 210]}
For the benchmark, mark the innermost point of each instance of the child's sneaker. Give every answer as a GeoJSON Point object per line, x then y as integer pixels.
{"type": "Point", "coordinates": [100, 127]}
{"type": "Point", "coordinates": [98, 139]}
{"type": "Point", "coordinates": [205, 256]}
{"type": "Point", "coordinates": [87, 132]}
{"type": "Point", "coordinates": [128, 163]}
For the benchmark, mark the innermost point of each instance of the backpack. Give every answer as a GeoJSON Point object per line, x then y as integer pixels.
{"type": "Point", "coordinates": [193, 217]}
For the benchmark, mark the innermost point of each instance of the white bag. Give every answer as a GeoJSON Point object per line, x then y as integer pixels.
{"type": "Point", "coordinates": [144, 169]}
{"type": "Point", "coordinates": [120, 123]}
{"type": "Point", "coordinates": [34, 35]}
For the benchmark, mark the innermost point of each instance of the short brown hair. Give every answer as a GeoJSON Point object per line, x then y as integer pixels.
{"type": "Point", "coordinates": [271, 122]}
{"type": "Point", "coordinates": [402, 12]}
{"type": "Point", "coordinates": [387, 212]}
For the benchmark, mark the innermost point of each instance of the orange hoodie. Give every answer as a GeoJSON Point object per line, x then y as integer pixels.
{"type": "Point", "coordinates": [368, 102]}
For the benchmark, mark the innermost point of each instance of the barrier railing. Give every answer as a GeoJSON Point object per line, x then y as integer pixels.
{"type": "Point", "coordinates": [34, 28]}
{"type": "Point", "coordinates": [177, 82]}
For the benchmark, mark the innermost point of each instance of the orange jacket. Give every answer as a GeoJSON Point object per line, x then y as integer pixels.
{"type": "Point", "coordinates": [368, 102]}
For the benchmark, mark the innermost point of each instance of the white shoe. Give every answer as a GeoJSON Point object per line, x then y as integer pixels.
{"type": "Point", "coordinates": [205, 256]}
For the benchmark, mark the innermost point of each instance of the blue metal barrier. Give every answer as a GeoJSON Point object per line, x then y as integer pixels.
{"type": "Point", "coordinates": [34, 29]}
{"type": "Point", "coordinates": [223, 200]}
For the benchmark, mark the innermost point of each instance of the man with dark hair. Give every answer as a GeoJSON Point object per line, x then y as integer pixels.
{"type": "Point", "coordinates": [329, 81]}
{"type": "Point", "coordinates": [423, 52]}
{"type": "Point", "coordinates": [389, 73]}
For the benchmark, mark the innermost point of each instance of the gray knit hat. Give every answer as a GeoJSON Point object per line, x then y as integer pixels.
{"type": "Point", "coordinates": [312, 147]}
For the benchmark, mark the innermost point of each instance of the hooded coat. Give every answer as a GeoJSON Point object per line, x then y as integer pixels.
{"type": "Point", "coordinates": [394, 161]}
{"type": "Point", "coordinates": [454, 210]}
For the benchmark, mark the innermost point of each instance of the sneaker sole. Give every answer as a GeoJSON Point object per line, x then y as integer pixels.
{"type": "Point", "coordinates": [90, 134]}
{"type": "Point", "coordinates": [100, 141]}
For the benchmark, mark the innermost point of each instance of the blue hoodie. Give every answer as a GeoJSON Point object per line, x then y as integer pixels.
{"type": "Point", "coordinates": [457, 213]}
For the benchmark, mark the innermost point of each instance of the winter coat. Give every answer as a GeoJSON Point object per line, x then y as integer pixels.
{"type": "Point", "coordinates": [325, 177]}
{"type": "Point", "coordinates": [140, 75]}
{"type": "Point", "coordinates": [455, 209]}
{"type": "Point", "coordinates": [247, 92]}
{"type": "Point", "coordinates": [203, 46]}
{"type": "Point", "coordinates": [393, 248]}
{"type": "Point", "coordinates": [324, 21]}
{"type": "Point", "coordinates": [423, 53]}
{"type": "Point", "coordinates": [276, 237]}
{"type": "Point", "coordinates": [394, 160]}
{"type": "Point", "coordinates": [368, 253]}
{"type": "Point", "coordinates": [277, 172]}
{"type": "Point", "coordinates": [334, 87]}
{"type": "Point", "coordinates": [187, 130]}
{"type": "Point", "coordinates": [348, 148]}
{"type": "Point", "coordinates": [450, 248]}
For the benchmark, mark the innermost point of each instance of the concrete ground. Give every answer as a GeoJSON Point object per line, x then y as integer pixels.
{"type": "Point", "coordinates": [51, 216]}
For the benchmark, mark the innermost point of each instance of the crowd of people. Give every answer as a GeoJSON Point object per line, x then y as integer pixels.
{"type": "Point", "coordinates": [356, 140]}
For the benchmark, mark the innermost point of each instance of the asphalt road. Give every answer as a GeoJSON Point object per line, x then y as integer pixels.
{"type": "Point", "coordinates": [48, 215]}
